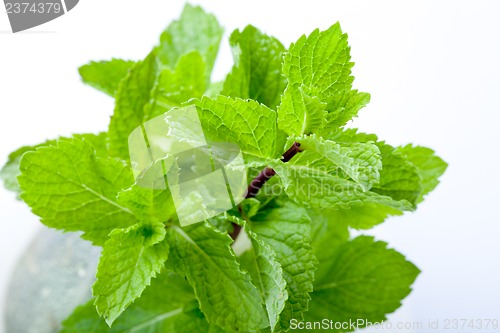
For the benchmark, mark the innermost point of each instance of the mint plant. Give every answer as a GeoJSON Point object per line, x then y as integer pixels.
{"type": "Point", "coordinates": [312, 181]}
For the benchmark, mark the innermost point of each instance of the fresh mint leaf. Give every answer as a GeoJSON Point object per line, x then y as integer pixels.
{"type": "Point", "coordinates": [170, 75]}
{"type": "Point", "coordinates": [257, 70]}
{"type": "Point", "coordinates": [214, 89]}
{"type": "Point", "coordinates": [132, 96]}
{"type": "Point", "coordinates": [176, 86]}
{"type": "Point", "coordinates": [360, 161]}
{"type": "Point", "coordinates": [300, 113]}
{"type": "Point", "coordinates": [130, 258]}
{"type": "Point", "coordinates": [98, 142]}
{"type": "Point", "coordinates": [194, 31]}
{"type": "Point", "coordinates": [430, 166]}
{"type": "Point", "coordinates": [84, 319]}
{"type": "Point", "coordinates": [249, 207]}
{"type": "Point", "coordinates": [148, 205]}
{"type": "Point", "coordinates": [328, 234]}
{"type": "Point", "coordinates": [307, 182]}
{"type": "Point", "coordinates": [105, 75]}
{"type": "Point", "coordinates": [221, 223]}
{"type": "Point", "coordinates": [250, 125]}
{"type": "Point", "coordinates": [350, 135]}
{"type": "Point", "coordinates": [320, 62]}
{"type": "Point", "coordinates": [168, 305]}
{"type": "Point", "coordinates": [72, 189]}
{"type": "Point", "coordinates": [319, 65]}
{"type": "Point", "coordinates": [364, 215]}
{"type": "Point", "coordinates": [344, 106]}
{"type": "Point", "coordinates": [286, 229]}
{"type": "Point", "coordinates": [399, 178]}
{"type": "Point", "coordinates": [267, 275]}
{"type": "Point", "coordinates": [366, 280]}
{"type": "Point", "coordinates": [10, 171]}
{"type": "Point", "coordinates": [226, 295]}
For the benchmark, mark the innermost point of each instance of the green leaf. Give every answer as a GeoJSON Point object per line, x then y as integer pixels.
{"type": "Point", "coordinates": [226, 295]}
{"type": "Point", "coordinates": [98, 142]}
{"type": "Point", "coordinates": [168, 305]}
{"type": "Point", "coordinates": [175, 87]}
{"type": "Point", "coordinates": [221, 223]}
{"type": "Point", "coordinates": [362, 216]}
{"type": "Point", "coordinates": [194, 31]}
{"type": "Point", "coordinates": [249, 207]}
{"type": "Point", "coordinates": [151, 89]}
{"type": "Point", "coordinates": [84, 319]}
{"type": "Point", "coordinates": [307, 182]}
{"type": "Point", "coordinates": [320, 63]}
{"type": "Point", "coordinates": [360, 161]}
{"type": "Point", "coordinates": [300, 113]}
{"type": "Point", "coordinates": [366, 280]}
{"type": "Point", "coordinates": [257, 70]}
{"type": "Point", "coordinates": [328, 235]}
{"type": "Point", "coordinates": [149, 205]}
{"type": "Point", "coordinates": [250, 125]}
{"type": "Point", "coordinates": [214, 89]}
{"type": "Point", "coordinates": [130, 258]}
{"type": "Point", "coordinates": [267, 275]}
{"type": "Point", "coordinates": [105, 75]}
{"type": "Point", "coordinates": [286, 229]}
{"type": "Point", "coordinates": [430, 166]}
{"type": "Point", "coordinates": [399, 178]}
{"type": "Point", "coordinates": [73, 190]}
{"type": "Point", "coordinates": [344, 106]}
{"type": "Point", "coordinates": [133, 94]}
{"type": "Point", "coordinates": [10, 171]}
{"type": "Point", "coordinates": [350, 135]}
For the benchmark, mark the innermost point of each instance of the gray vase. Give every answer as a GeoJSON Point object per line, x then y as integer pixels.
{"type": "Point", "coordinates": [53, 276]}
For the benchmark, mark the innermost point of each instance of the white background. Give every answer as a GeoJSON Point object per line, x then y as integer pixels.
{"type": "Point", "coordinates": [433, 69]}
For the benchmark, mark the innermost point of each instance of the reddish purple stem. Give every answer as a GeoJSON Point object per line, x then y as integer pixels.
{"type": "Point", "coordinates": [259, 181]}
